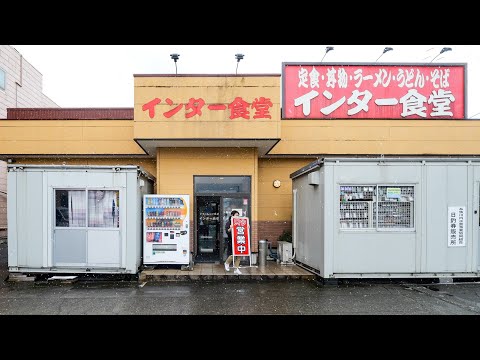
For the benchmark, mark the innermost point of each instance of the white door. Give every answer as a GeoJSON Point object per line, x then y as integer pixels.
{"type": "Point", "coordinates": [103, 235]}
{"type": "Point", "coordinates": [87, 228]}
{"type": "Point", "coordinates": [70, 231]}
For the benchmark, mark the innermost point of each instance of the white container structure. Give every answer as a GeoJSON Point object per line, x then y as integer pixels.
{"type": "Point", "coordinates": [76, 219]}
{"type": "Point", "coordinates": [387, 217]}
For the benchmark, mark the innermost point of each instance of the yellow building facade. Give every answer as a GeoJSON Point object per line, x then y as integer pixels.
{"type": "Point", "coordinates": [221, 140]}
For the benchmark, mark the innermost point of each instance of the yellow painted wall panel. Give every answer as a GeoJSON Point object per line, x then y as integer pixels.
{"type": "Point", "coordinates": [116, 133]}
{"type": "Point", "coordinates": [282, 163]}
{"type": "Point", "coordinates": [206, 153]}
{"type": "Point", "coordinates": [66, 133]}
{"type": "Point", "coordinates": [213, 90]}
{"type": "Point", "coordinates": [275, 201]}
{"type": "Point", "coordinates": [110, 147]}
{"type": "Point", "coordinates": [202, 154]}
{"type": "Point", "coordinates": [105, 123]}
{"type": "Point", "coordinates": [70, 147]}
{"type": "Point", "coordinates": [402, 137]}
{"type": "Point", "coordinates": [183, 190]}
{"type": "Point", "coordinates": [207, 130]}
{"type": "Point", "coordinates": [440, 133]}
{"type": "Point", "coordinates": [190, 81]}
{"type": "Point", "coordinates": [378, 147]}
{"type": "Point", "coordinates": [67, 137]}
{"type": "Point", "coordinates": [161, 113]}
{"type": "Point", "coordinates": [431, 123]}
{"type": "Point", "coordinates": [267, 188]}
{"type": "Point", "coordinates": [36, 133]}
{"type": "Point", "coordinates": [280, 169]}
{"type": "Point", "coordinates": [378, 123]}
{"type": "Point", "coordinates": [242, 155]}
{"type": "Point", "coordinates": [177, 167]}
{"type": "Point", "coordinates": [277, 214]}
{"type": "Point", "coordinates": [64, 123]}
{"type": "Point", "coordinates": [428, 147]}
{"type": "Point", "coordinates": [443, 131]}
{"type": "Point", "coordinates": [334, 133]}
{"type": "Point", "coordinates": [206, 167]}
{"type": "Point", "coordinates": [210, 95]}
{"type": "Point", "coordinates": [179, 180]}
{"type": "Point", "coordinates": [275, 204]}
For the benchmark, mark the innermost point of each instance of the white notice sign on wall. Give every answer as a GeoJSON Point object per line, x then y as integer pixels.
{"type": "Point", "coordinates": [456, 226]}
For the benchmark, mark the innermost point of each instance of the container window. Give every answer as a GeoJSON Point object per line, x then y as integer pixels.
{"type": "Point", "coordinates": [377, 207]}
{"type": "Point", "coordinates": [103, 208]}
{"type": "Point", "coordinates": [70, 209]}
{"type": "Point", "coordinates": [395, 207]}
{"type": "Point", "coordinates": [356, 206]}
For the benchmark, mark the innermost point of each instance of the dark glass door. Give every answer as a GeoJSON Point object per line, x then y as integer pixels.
{"type": "Point", "coordinates": [208, 229]}
{"type": "Point", "coordinates": [215, 198]}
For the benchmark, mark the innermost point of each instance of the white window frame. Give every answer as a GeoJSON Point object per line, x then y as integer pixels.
{"type": "Point", "coordinates": [374, 204]}
{"type": "Point", "coordinates": [86, 190]}
{"type": "Point", "coordinates": [88, 210]}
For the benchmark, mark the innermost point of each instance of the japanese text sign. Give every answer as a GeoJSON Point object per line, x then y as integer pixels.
{"type": "Point", "coordinates": [367, 91]}
{"type": "Point", "coordinates": [238, 108]}
{"type": "Point", "coordinates": [456, 226]}
{"type": "Point", "coordinates": [240, 236]}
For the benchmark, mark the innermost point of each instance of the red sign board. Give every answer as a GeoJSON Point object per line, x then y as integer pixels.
{"type": "Point", "coordinates": [240, 236]}
{"type": "Point", "coordinates": [370, 91]}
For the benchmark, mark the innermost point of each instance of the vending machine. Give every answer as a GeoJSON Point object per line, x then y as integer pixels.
{"type": "Point", "coordinates": [166, 229]}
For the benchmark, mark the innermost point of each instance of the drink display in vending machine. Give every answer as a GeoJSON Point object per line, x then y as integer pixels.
{"type": "Point", "coordinates": [166, 229]}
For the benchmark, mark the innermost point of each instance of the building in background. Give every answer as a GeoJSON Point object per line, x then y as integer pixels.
{"type": "Point", "coordinates": [20, 87]}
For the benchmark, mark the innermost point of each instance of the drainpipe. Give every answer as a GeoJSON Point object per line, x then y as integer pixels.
{"type": "Point", "coordinates": [20, 82]}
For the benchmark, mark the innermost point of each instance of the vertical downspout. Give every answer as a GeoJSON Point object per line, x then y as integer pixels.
{"type": "Point", "coordinates": [20, 82]}
{"type": "Point", "coordinates": [294, 220]}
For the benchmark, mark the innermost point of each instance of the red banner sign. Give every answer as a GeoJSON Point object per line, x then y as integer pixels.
{"type": "Point", "coordinates": [240, 237]}
{"type": "Point", "coordinates": [356, 91]}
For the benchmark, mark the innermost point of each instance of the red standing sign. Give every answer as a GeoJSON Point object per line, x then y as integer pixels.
{"type": "Point", "coordinates": [240, 236]}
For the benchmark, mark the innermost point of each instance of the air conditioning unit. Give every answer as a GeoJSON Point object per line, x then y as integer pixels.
{"type": "Point", "coordinates": [284, 252]}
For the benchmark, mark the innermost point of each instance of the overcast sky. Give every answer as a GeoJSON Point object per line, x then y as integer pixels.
{"type": "Point", "coordinates": [102, 75]}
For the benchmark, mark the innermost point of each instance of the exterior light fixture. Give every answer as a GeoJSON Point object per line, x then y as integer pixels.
{"type": "Point", "coordinates": [175, 58]}
{"type": "Point", "coordinates": [238, 57]}
{"type": "Point", "coordinates": [327, 49]}
{"type": "Point", "coordinates": [445, 49]}
{"type": "Point", "coordinates": [387, 49]}
{"type": "Point", "coordinates": [276, 183]}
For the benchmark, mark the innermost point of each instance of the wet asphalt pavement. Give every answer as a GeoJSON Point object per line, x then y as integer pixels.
{"type": "Point", "coordinates": [294, 297]}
